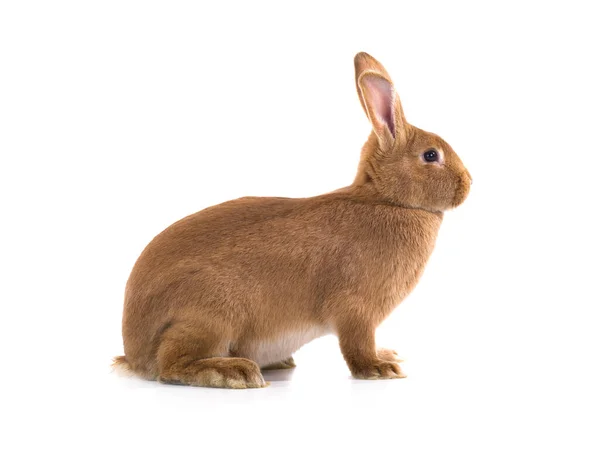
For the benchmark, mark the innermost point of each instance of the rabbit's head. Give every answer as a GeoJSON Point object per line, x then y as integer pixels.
{"type": "Point", "coordinates": [404, 164]}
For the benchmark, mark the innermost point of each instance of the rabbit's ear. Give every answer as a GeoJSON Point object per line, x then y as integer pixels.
{"type": "Point", "coordinates": [379, 99]}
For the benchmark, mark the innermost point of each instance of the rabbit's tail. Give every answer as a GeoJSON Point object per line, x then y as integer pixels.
{"type": "Point", "coordinates": [121, 366]}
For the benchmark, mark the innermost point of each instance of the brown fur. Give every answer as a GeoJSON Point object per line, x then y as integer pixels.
{"type": "Point", "coordinates": [258, 277]}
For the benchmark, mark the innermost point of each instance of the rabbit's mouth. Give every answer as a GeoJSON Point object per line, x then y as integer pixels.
{"type": "Point", "coordinates": [462, 190]}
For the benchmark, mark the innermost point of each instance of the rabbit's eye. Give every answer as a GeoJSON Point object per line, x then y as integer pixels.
{"type": "Point", "coordinates": [431, 156]}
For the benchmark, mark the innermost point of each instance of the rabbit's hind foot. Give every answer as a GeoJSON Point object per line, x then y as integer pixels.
{"type": "Point", "coordinates": [283, 365]}
{"type": "Point", "coordinates": [197, 354]}
{"type": "Point", "coordinates": [218, 372]}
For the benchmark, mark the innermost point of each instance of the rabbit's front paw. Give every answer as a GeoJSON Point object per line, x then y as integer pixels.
{"type": "Point", "coordinates": [378, 370]}
{"type": "Point", "coordinates": [389, 355]}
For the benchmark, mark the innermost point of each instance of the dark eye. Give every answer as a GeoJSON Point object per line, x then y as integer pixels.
{"type": "Point", "coordinates": [431, 156]}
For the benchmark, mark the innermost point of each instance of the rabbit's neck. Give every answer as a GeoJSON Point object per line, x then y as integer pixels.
{"type": "Point", "coordinates": [366, 193]}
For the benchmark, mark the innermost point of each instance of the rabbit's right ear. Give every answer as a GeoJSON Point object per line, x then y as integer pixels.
{"type": "Point", "coordinates": [379, 100]}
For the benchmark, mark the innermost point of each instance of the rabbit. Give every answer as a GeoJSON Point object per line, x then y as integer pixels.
{"type": "Point", "coordinates": [243, 285]}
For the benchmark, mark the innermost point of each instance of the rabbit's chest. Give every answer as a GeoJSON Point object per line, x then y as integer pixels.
{"type": "Point", "coordinates": [265, 352]}
{"type": "Point", "coordinates": [400, 270]}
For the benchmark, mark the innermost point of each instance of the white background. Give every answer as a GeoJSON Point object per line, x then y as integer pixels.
{"type": "Point", "coordinates": [118, 118]}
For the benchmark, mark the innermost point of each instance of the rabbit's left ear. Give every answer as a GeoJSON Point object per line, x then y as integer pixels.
{"type": "Point", "coordinates": [379, 99]}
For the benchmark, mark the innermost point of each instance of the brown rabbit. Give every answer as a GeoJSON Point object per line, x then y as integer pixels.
{"type": "Point", "coordinates": [242, 285]}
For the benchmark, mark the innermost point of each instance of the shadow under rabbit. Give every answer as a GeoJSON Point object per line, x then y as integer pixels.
{"type": "Point", "coordinates": [278, 375]}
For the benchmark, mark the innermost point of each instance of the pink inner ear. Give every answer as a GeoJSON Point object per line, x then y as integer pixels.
{"type": "Point", "coordinates": [381, 99]}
